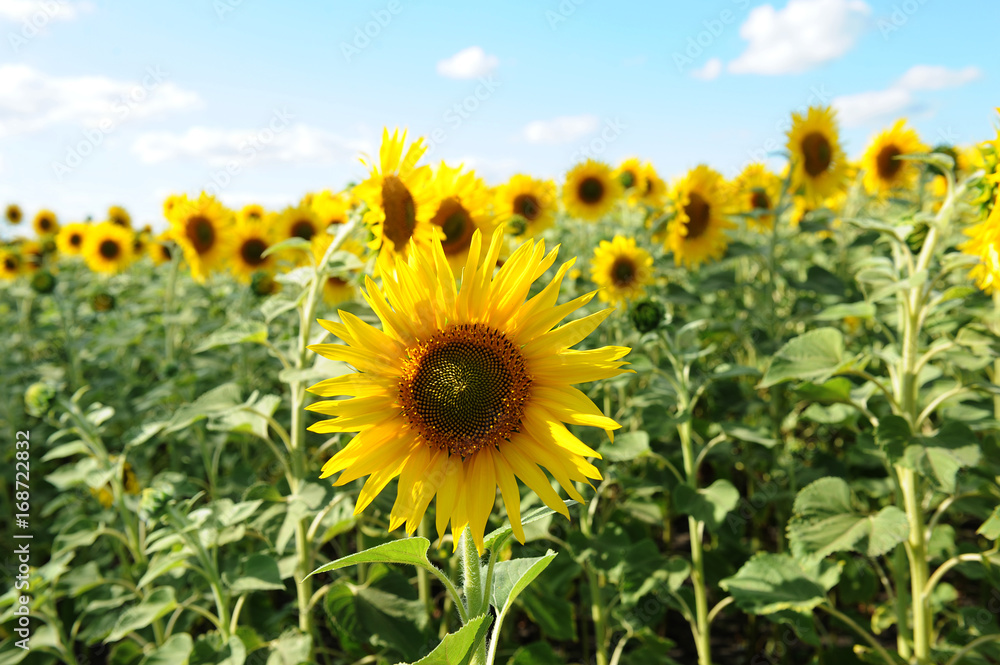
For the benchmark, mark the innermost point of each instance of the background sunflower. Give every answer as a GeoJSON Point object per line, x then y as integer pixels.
{"type": "Point", "coordinates": [590, 190]}
{"type": "Point", "coordinates": [697, 231]}
{"type": "Point", "coordinates": [108, 248]}
{"type": "Point", "coordinates": [818, 163]}
{"type": "Point", "coordinates": [883, 171]}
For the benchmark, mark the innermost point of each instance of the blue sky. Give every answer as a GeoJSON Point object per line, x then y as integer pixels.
{"type": "Point", "coordinates": [123, 102]}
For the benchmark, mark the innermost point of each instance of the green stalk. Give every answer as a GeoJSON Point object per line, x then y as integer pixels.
{"type": "Point", "coordinates": [597, 610]}
{"type": "Point", "coordinates": [168, 305]}
{"type": "Point", "coordinates": [696, 529]}
{"type": "Point", "coordinates": [472, 585]}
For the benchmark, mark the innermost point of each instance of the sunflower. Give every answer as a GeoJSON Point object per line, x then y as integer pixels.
{"type": "Point", "coordinates": [984, 243]}
{"type": "Point", "coordinates": [757, 191]}
{"type": "Point", "coordinates": [590, 190]}
{"type": "Point", "coordinates": [32, 256]}
{"type": "Point", "coordinates": [119, 216]}
{"type": "Point", "coordinates": [45, 223]}
{"type": "Point", "coordinates": [173, 203]}
{"type": "Point", "coordinates": [71, 237]}
{"type": "Point", "coordinates": [883, 171]}
{"type": "Point", "coordinates": [698, 230]}
{"type": "Point", "coordinates": [299, 222]}
{"type": "Point", "coordinates": [621, 269]}
{"type": "Point", "coordinates": [13, 214]}
{"type": "Point", "coordinates": [203, 229]}
{"type": "Point", "coordinates": [330, 208]}
{"type": "Point", "coordinates": [526, 205]}
{"type": "Point", "coordinates": [252, 212]}
{"type": "Point", "coordinates": [161, 249]}
{"type": "Point", "coordinates": [655, 190]}
{"type": "Point", "coordinates": [819, 166]}
{"type": "Point", "coordinates": [461, 207]}
{"type": "Point", "coordinates": [108, 248]}
{"type": "Point", "coordinates": [250, 241]}
{"type": "Point", "coordinates": [10, 264]}
{"type": "Point", "coordinates": [465, 390]}
{"type": "Point", "coordinates": [399, 207]}
{"type": "Point", "coordinates": [630, 174]}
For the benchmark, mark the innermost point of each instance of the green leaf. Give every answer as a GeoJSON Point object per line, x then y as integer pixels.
{"type": "Point", "coordinates": [296, 243]}
{"type": "Point", "coordinates": [175, 651]}
{"type": "Point", "coordinates": [154, 606]}
{"type": "Point", "coordinates": [510, 578]}
{"type": "Point", "coordinates": [457, 648]}
{"type": "Point", "coordinates": [939, 457]}
{"type": "Point", "coordinates": [161, 564]}
{"type": "Point", "coordinates": [862, 310]}
{"type": "Point", "coordinates": [536, 653]}
{"type": "Point", "coordinates": [825, 522]}
{"type": "Point", "coordinates": [626, 447]}
{"type": "Point", "coordinates": [209, 649]}
{"type": "Point", "coordinates": [769, 583]}
{"type": "Point", "coordinates": [239, 332]}
{"type": "Point", "coordinates": [408, 551]}
{"type": "Point", "coordinates": [991, 527]}
{"type": "Point", "coordinates": [66, 450]}
{"type": "Point", "coordinates": [707, 504]}
{"type": "Point", "coordinates": [260, 573]}
{"type": "Point", "coordinates": [814, 356]}
{"type": "Point", "coordinates": [893, 436]}
{"type": "Point", "coordinates": [750, 435]}
{"type": "Point", "coordinates": [822, 281]}
{"type": "Point", "coordinates": [292, 648]}
{"type": "Point", "coordinates": [527, 518]}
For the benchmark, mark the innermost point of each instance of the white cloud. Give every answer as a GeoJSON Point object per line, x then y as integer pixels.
{"type": "Point", "coordinates": [929, 77]}
{"type": "Point", "coordinates": [468, 63]}
{"type": "Point", "coordinates": [709, 71]}
{"type": "Point", "coordinates": [560, 130]}
{"type": "Point", "coordinates": [803, 35]}
{"type": "Point", "coordinates": [33, 100]}
{"type": "Point", "coordinates": [899, 98]}
{"type": "Point", "coordinates": [40, 12]}
{"type": "Point", "coordinates": [297, 143]}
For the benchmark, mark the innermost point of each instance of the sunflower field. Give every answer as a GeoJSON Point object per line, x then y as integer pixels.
{"type": "Point", "coordinates": [428, 419]}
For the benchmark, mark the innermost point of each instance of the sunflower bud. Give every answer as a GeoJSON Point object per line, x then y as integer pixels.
{"type": "Point", "coordinates": [43, 282]}
{"type": "Point", "coordinates": [262, 284]}
{"type": "Point", "coordinates": [647, 315]}
{"type": "Point", "coordinates": [517, 225]}
{"type": "Point", "coordinates": [103, 302]}
{"type": "Point", "coordinates": [152, 504]}
{"type": "Point", "coordinates": [37, 399]}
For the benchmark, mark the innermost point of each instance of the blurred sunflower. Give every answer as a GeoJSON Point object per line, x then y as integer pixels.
{"type": "Point", "coordinates": [10, 264]}
{"type": "Point", "coordinates": [108, 248]}
{"type": "Point", "coordinates": [203, 229]}
{"type": "Point", "coordinates": [298, 222]}
{"type": "Point", "coordinates": [630, 174]}
{"type": "Point", "coordinates": [883, 171]}
{"type": "Point", "coordinates": [697, 232]}
{"type": "Point", "coordinates": [252, 212]}
{"type": "Point", "coordinates": [13, 214]}
{"type": "Point", "coordinates": [330, 208]}
{"type": "Point", "coordinates": [119, 216]}
{"type": "Point", "coordinates": [250, 241]}
{"type": "Point", "coordinates": [464, 390]}
{"type": "Point", "coordinates": [399, 207]}
{"type": "Point", "coordinates": [45, 223]}
{"type": "Point", "coordinates": [819, 166]}
{"type": "Point", "coordinates": [621, 270]}
{"type": "Point", "coordinates": [984, 243]}
{"type": "Point", "coordinates": [70, 238]}
{"type": "Point", "coordinates": [526, 205]}
{"type": "Point", "coordinates": [461, 203]}
{"type": "Point", "coordinates": [161, 249]}
{"type": "Point", "coordinates": [655, 190]}
{"type": "Point", "coordinates": [590, 190]}
{"type": "Point", "coordinates": [171, 204]}
{"type": "Point", "coordinates": [32, 256]}
{"type": "Point", "coordinates": [757, 190]}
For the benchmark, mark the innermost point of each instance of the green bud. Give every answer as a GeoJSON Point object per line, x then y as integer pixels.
{"type": "Point", "coordinates": [103, 302]}
{"type": "Point", "coordinates": [647, 315]}
{"type": "Point", "coordinates": [262, 284]}
{"type": "Point", "coordinates": [43, 281]}
{"type": "Point", "coordinates": [37, 399]}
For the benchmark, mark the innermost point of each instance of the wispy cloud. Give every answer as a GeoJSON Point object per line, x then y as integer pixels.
{"type": "Point", "coordinates": [899, 98]}
{"type": "Point", "coordinates": [563, 129]}
{"type": "Point", "coordinates": [709, 70]}
{"type": "Point", "coordinates": [469, 63]}
{"type": "Point", "coordinates": [23, 10]}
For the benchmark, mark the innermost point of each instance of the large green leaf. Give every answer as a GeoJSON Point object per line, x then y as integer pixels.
{"type": "Point", "coordinates": [260, 573]}
{"type": "Point", "coordinates": [154, 606]}
{"type": "Point", "coordinates": [239, 332]}
{"type": "Point", "coordinates": [707, 504]}
{"type": "Point", "coordinates": [407, 551]}
{"type": "Point", "coordinates": [769, 583]}
{"type": "Point", "coordinates": [991, 527]}
{"type": "Point", "coordinates": [291, 648]}
{"type": "Point", "coordinates": [824, 521]}
{"type": "Point", "coordinates": [628, 446]}
{"type": "Point", "coordinates": [814, 356]}
{"type": "Point", "coordinates": [510, 578]}
{"type": "Point", "coordinates": [175, 651]}
{"type": "Point", "coordinates": [457, 648]}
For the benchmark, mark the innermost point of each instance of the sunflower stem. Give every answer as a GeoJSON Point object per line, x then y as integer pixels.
{"type": "Point", "coordinates": [168, 306]}
{"type": "Point", "coordinates": [696, 530]}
